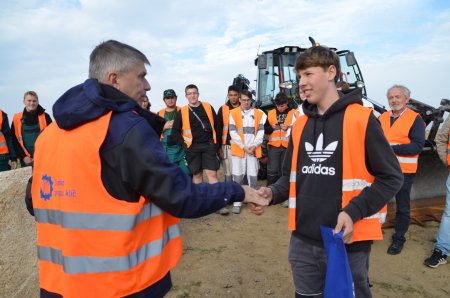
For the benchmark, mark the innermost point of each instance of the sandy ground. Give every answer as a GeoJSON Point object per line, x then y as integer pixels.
{"type": "Point", "coordinates": [246, 256]}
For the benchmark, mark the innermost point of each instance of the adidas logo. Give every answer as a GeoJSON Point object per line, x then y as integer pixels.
{"type": "Point", "coordinates": [319, 154]}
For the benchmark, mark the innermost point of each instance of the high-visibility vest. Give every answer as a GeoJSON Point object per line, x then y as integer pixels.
{"type": "Point", "coordinates": [355, 176]}
{"type": "Point", "coordinates": [448, 151]}
{"type": "Point", "coordinates": [3, 145]}
{"type": "Point", "coordinates": [91, 244]}
{"type": "Point", "coordinates": [237, 117]}
{"type": "Point", "coordinates": [398, 134]}
{"type": "Point", "coordinates": [186, 126]}
{"type": "Point", "coordinates": [279, 137]}
{"type": "Point", "coordinates": [162, 114]}
{"type": "Point", "coordinates": [226, 122]}
{"type": "Point", "coordinates": [17, 120]}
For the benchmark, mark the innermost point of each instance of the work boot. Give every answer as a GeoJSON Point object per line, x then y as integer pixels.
{"type": "Point", "coordinates": [223, 211]}
{"type": "Point", "coordinates": [436, 259]}
{"type": "Point", "coordinates": [396, 247]}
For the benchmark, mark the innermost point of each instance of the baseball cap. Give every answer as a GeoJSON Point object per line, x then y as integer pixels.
{"type": "Point", "coordinates": [169, 93]}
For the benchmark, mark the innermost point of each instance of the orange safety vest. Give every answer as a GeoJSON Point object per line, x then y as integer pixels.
{"type": "Point", "coordinates": [398, 134]}
{"type": "Point", "coordinates": [226, 122]}
{"type": "Point", "coordinates": [3, 145]}
{"type": "Point", "coordinates": [278, 137]}
{"type": "Point", "coordinates": [17, 120]}
{"type": "Point", "coordinates": [237, 117]}
{"type": "Point", "coordinates": [448, 151]}
{"type": "Point", "coordinates": [162, 114]}
{"type": "Point", "coordinates": [355, 176]}
{"type": "Point", "coordinates": [91, 244]}
{"type": "Point", "coordinates": [186, 126]}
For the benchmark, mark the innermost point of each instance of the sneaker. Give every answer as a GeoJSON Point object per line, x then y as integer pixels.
{"type": "Point", "coordinates": [223, 211]}
{"type": "Point", "coordinates": [396, 247]}
{"type": "Point", "coordinates": [236, 209]}
{"type": "Point", "coordinates": [436, 259]}
{"type": "Point", "coordinates": [285, 204]}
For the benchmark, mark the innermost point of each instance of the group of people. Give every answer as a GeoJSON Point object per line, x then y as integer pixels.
{"type": "Point", "coordinates": [17, 141]}
{"type": "Point", "coordinates": [111, 180]}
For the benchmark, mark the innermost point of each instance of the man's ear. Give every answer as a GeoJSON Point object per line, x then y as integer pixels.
{"type": "Point", "coordinates": [112, 79]}
{"type": "Point", "coordinates": [331, 71]}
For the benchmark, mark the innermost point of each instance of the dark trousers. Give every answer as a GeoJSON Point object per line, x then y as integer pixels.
{"type": "Point", "coordinates": [274, 163]}
{"type": "Point", "coordinates": [403, 202]}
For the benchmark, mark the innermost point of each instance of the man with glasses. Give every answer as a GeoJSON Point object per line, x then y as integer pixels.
{"type": "Point", "coordinates": [174, 152]}
{"type": "Point", "coordinates": [197, 124]}
{"type": "Point", "coordinates": [279, 121]}
{"type": "Point", "coordinates": [247, 132]}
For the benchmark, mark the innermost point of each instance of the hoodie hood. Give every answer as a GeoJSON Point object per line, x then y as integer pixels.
{"type": "Point", "coordinates": [344, 100]}
{"type": "Point", "coordinates": [89, 101]}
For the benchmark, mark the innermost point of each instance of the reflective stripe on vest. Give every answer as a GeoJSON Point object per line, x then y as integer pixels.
{"type": "Point", "coordinates": [186, 125]}
{"type": "Point", "coordinates": [226, 121]}
{"type": "Point", "coordinates": [237, 117]}
{"type": "Point", "coordinates": [90, 243]}
{"type": "Point", "coordinates": [279, 137]}
{"type": "Point", "coordinates": [355, 176]}
{"type": "Point", "coordinates": [397, 134]}
{"type": "Point", "coordinates": [17, 120]}
{"type": "Point", "coordinates": [3, 144]}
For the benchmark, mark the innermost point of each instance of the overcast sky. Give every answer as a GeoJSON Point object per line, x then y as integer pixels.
{"type": "Point", "coordinates": [45, 45]}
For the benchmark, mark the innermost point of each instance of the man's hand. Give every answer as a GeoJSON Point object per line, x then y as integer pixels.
{"type": "Point", "coordinates": [266, 193]}
{"type": "Point", "coordinates": [28, 160]}
{"type": "Point", "coordinates": [13, 164]}
{"type": "Point", "coordinates": [284, 127]}
{"type": "Point", "coordinates": [220, 153]}
{"type": "Point", "coordinates": [255, 201]}
{"type": "Point", "coordinates": [275, 126]}
{"type": "Point", "coordinates": [344, 222]}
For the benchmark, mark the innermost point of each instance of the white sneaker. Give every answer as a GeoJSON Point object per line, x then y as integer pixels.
{"type": "Point", "coordinates": [236, 209]}
{"type": "Point", "coordinates": [285, 204]}
{"type": "Point", "coordinates": [223, 211]}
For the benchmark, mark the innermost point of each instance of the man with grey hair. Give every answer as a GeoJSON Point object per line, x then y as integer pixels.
{"type": "Point", "coordinates": [106, 198]}
{"type": "Point", "coordinates": [405, 131]}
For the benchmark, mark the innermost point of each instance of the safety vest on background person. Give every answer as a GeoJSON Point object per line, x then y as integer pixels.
{"type": "Point", "coordinates": [398, 134]}
{"type": "Point", "coordinates": [186, 126]}
{"type": "Point", "coordinates": [226, 122]}
{"type": "Point", "coordinates": [237, 117]}
{"type": "Point", "coordinates": [355, 176]}
{"type": "Point", "coordinates": [448, 151]}
{"type": "Point", "coordinates": [91, 244]}
{"type": "Point", "coordinates": [162, 114]}
{"type": "Point", "coordinates": [17, 120]}
{"type": "Point", "coordinates": [3, 145]}
{"type": "Point", "coordinates": [278, 137]}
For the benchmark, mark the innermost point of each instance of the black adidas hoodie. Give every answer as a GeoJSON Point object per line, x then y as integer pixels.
{"type": "Point", "coordinates": [319, 171]}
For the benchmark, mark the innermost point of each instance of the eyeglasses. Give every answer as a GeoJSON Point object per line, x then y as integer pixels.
{"type": "Point", "coordinates": [192, 93]}
{"type": "Point", "coordinates": [246, 99]}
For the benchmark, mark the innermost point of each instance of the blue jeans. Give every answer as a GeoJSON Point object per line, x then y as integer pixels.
{"type": "Point", "coordinates": [443, 237]}
{"type": "Point", "coordinates": [403, 212]}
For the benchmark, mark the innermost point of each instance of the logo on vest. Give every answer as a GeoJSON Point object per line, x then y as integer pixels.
{"type": "Point", "coordinates": [46, 187]}
{"type": "Point", "coordinates": [319, 155]}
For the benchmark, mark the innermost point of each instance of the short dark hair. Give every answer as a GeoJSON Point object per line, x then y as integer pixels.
{"type": "Point", "coordinates": [233, 88]}
{"type": "Point", "coordinates": [246, 93]}
{"type": "Point", "coordinates": [318, 56]}
{"type": "Point", "coordinates": [281, 98]}
{"type": "Point", "coordinates": [190, 86]}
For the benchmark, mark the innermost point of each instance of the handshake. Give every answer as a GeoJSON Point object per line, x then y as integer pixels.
{"type": "Point", "coordinates": [257, 199]}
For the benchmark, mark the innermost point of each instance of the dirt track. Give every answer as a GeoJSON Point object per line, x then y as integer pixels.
{"type": "Point", "coordinates": [246, 256]}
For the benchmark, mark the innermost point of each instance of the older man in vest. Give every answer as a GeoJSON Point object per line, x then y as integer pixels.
{"type": "Point", "coordinates": [338, 172]}
{"type": "Point", "coordinates": [405, 132]}
{"type": "Point", "coordinates": [26, 127]}
{"type": "Point", "coordinates": [106, 197]}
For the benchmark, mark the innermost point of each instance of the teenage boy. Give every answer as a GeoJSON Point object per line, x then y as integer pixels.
{"type": "Point", "coordinates": [174, 152]}
{"type": "Point", "coordinates": [7, 152]}
{"type": "Point", "coordinates": [339, 171]}
{"type": "Point", "coordinates": [197, 124]}
{"type": "Point", "coordinates": [223, 119]}
{"type": "Point", "coordinates": [247, 133]}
